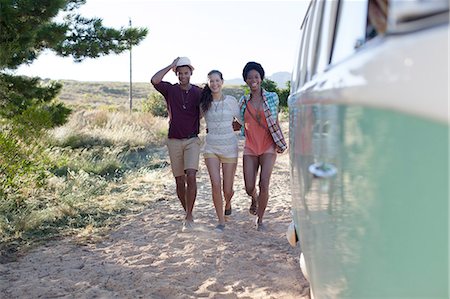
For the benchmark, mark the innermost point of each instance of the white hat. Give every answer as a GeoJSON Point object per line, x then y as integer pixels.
{"type": "Point", "coordinates": [183, 61]}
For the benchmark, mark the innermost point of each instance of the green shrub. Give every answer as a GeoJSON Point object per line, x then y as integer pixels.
{"type": "Point", "coordinates": [82, 140]}
{"type": "Point", "coordinates": [105, 168]}
{"type": "Point", "coordinates": [155, 104]}
{"type": "Point", "coordinates": [283, 94]}
{"type": "Point", "coordinates": [22, 164]}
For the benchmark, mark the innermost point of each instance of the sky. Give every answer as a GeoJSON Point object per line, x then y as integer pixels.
{"type": "Point", "coordinates": [214, 34]}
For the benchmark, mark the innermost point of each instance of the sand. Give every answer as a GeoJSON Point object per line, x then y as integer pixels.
{"type": "Point", "coordinates": [148, 256]}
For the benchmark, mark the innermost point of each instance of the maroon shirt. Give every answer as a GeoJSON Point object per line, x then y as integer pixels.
{"type": "Point", "coordinates": [183, 107]}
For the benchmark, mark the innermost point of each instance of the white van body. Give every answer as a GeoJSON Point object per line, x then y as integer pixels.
{"type": "Point", "coordinates": [369, 148]}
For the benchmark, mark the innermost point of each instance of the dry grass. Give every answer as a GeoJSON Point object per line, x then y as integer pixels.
{"type": "Point", "coordinates": [135, 129]}
{"type": "Point", "coordinates": [95, 160]}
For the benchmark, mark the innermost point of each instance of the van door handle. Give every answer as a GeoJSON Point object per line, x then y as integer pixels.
{"type": "Point", "coordinates": [322, 170]}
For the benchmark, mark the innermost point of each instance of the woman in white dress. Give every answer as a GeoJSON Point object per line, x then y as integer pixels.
{"type": "Point", "coordinates": [221, 144]}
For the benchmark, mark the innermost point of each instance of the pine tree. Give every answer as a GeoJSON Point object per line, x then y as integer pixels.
{"type": "Point", "coordinates": [29, 27]}
{"type": "Point", "coordinates": [27, 106]}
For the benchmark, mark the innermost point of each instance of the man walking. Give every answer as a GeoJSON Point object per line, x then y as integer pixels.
{"type": "Point", "coordinates": [183, 143]}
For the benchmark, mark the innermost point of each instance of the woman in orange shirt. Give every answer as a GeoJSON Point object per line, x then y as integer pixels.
{"type": "Point", "coordinates": [263, 138]}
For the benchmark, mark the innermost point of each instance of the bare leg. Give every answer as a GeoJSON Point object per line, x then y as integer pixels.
{"type": "Point", "coordinates": [229, 171]}
{"type": "Point", "coordinates": [181, 190]}
{"type": "Point", "coordinates": [251, 165]}
{"type": "Point", "coordinates": [267, 162]}
{"type": "Point", "coordinates": [213, 165]}
{"type": "Point", "coordinates": [191, 192]}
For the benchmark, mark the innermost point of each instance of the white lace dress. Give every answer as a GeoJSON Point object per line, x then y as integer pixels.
{"type": "Point", "coordinates": [221, 139]}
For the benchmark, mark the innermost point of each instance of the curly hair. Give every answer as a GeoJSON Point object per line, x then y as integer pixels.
{"type": "Point", "coordinates": [253, 66]}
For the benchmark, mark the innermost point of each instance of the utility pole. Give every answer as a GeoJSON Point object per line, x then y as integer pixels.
{"type": "Point", "coordinates": [131, 83]}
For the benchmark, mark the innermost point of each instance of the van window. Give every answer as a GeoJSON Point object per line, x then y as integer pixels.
{"type": "Point", "coordinates": [299, 71]}
{"type": "Point", "coordinates": [296, 72]}
{"type": "Point", "coordinates": [313, 41]}
{"type": "Point", "coordinates": [326, 35]}
{"type": "Point", "coordinates": [350, 29]}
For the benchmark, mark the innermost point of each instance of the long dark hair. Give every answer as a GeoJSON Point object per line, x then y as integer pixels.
{"type": "Point", "coordinates": [206, 99]}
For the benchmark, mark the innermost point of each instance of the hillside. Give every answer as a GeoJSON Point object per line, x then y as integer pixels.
{"type": "Point", "coordinates": [115, 95]}
{"type": "Point", "coordinates": [103, 94]}
{"type": "Point", "coordinates": [280, 78]}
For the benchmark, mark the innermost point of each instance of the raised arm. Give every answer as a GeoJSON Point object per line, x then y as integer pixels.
{"type": "Point", "coordinates": [157, 78]}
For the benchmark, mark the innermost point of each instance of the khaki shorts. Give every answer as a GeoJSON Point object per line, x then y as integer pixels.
{"type": "Point", "coordinates": [221, 158]}
{"type": "Point", "coordinates": [184, 154]}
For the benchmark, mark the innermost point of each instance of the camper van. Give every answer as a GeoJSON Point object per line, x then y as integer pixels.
{"type": "Point", "coordinates": [369, 149]}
